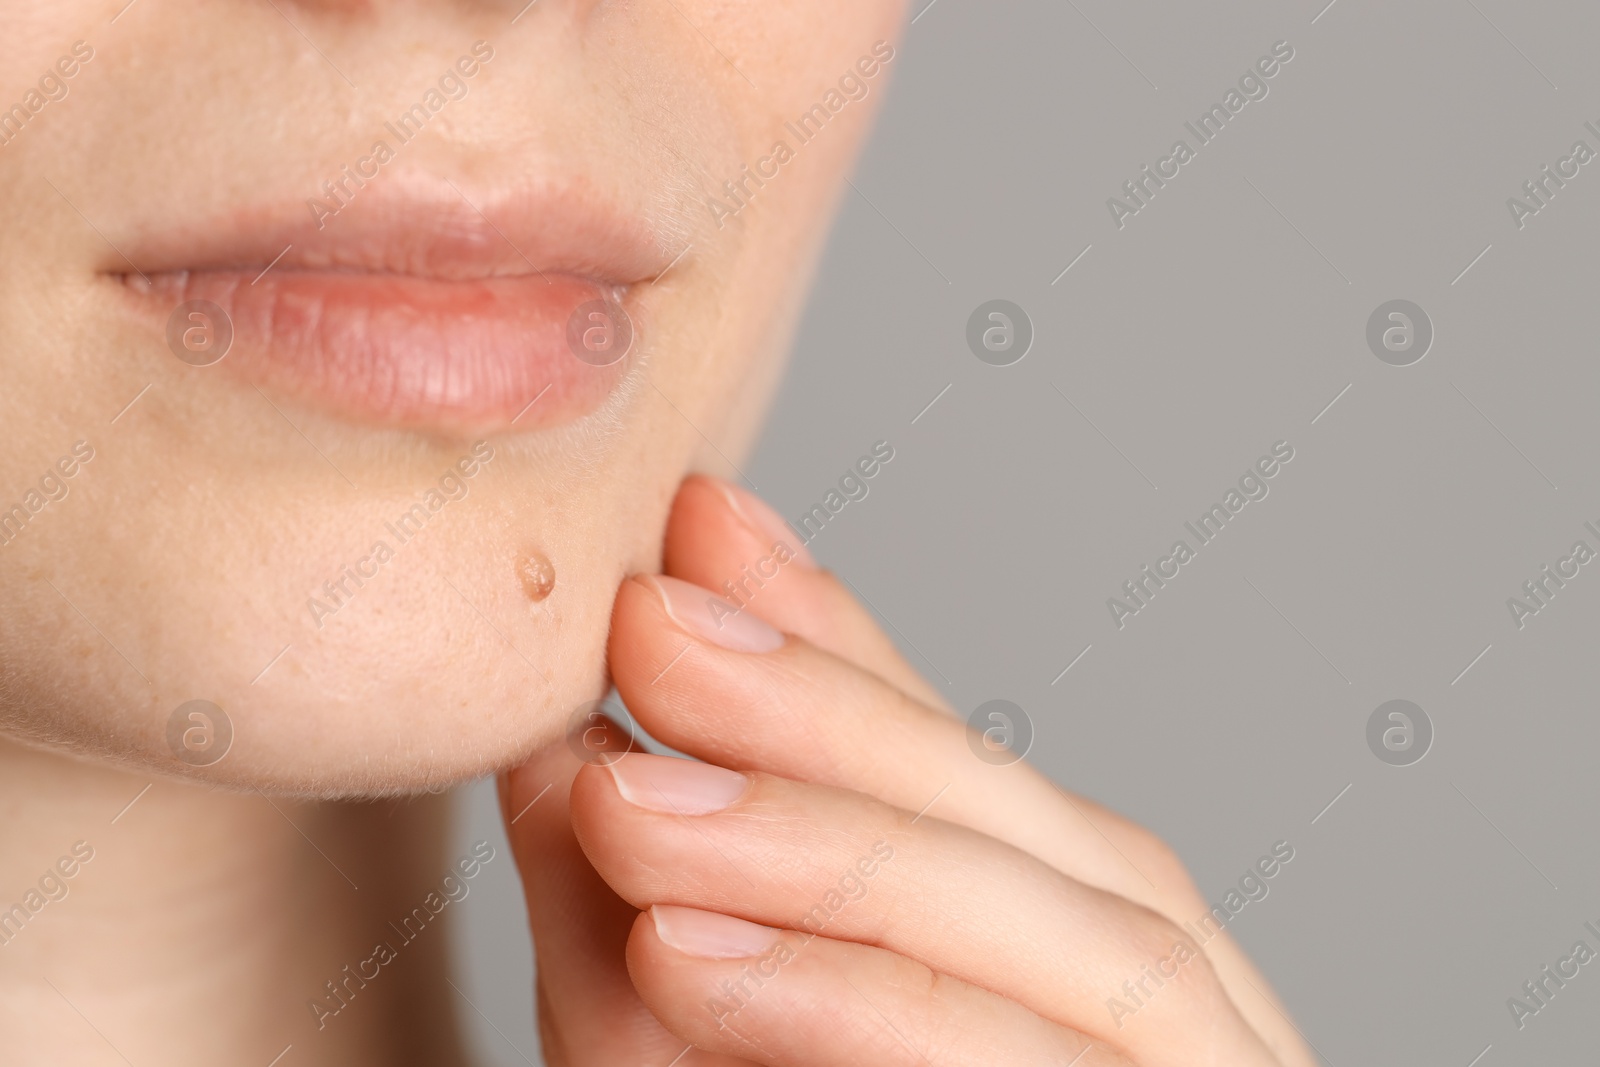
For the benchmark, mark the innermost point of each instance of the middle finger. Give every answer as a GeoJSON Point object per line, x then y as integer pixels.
{"type": "Point", "coordinates": [846, 866]}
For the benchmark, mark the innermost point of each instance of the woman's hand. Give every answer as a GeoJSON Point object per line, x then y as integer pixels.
{"type": "Point", "coordinates": [841, 881]}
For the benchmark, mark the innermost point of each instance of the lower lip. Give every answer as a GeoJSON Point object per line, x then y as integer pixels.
{"type": "Point", "coordinates": [472, 355]}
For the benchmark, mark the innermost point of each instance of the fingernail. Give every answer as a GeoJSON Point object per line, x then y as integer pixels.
{"type": "Point", "coordinates": [676, 786]}
{"type": "Point", "coordinates": [702, 612]}
{"type": "Point", "coordinates": [709, 935]}
{"type": "Point", "coordinates": [766, 523]}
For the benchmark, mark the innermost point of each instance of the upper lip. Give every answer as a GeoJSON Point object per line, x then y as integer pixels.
{"type": "Point", "coordinates": [423, 226]}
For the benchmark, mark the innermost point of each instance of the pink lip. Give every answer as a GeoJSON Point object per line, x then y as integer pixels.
{"type": "Point", "coordinates": [413, 306]}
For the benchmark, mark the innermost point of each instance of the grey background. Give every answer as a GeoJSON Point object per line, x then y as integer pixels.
{"type": "Point", "coordinates": [1224, 317]}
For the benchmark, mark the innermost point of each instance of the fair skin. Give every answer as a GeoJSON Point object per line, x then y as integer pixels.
{"type": "Point", "coordinates": [1006, 913]}
{"type": "Point", "coordinates": [390, 356]}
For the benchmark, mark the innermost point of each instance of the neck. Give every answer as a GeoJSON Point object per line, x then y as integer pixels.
{"type": "Point", "coordinates": [150, 920]}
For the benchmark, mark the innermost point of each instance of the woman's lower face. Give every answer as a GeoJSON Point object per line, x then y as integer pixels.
{"type": "Point", "coordinates": [352, 354]}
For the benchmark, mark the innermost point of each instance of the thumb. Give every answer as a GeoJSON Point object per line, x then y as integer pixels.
{"type": "Point", "coordinates": [588, 1011]}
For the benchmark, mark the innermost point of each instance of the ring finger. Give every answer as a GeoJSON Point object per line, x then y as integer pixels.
{"type": "Point", "coordinates": [744, 989]}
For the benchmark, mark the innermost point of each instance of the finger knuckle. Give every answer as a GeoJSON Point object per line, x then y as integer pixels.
{"type": "Point", "coordinates": [1164, 868]}
{"type": "Point", "coordinates": [1173, 954]}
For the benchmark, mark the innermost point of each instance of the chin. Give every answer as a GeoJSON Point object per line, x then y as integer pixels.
{"type": "Point", "coordinates": [352, 642]}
